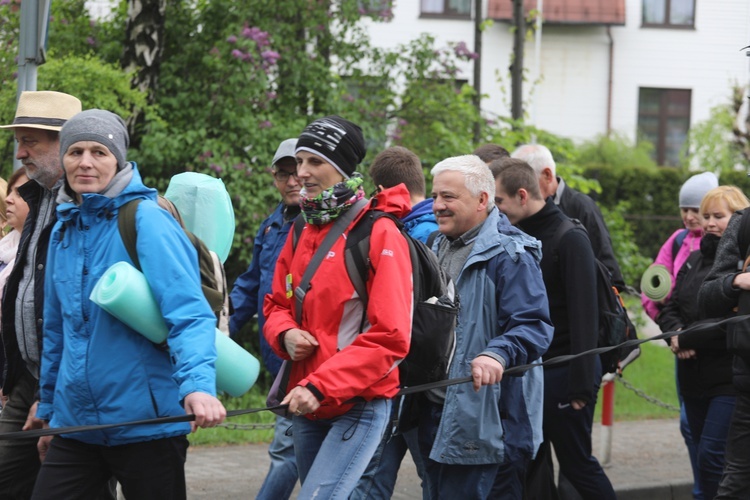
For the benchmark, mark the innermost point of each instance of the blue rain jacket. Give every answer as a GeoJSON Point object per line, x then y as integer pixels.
{"type": "Point", "coordinates": [504, 313]}
{"type": "Point", "coordinates": [96, 370]}
{"type": "Point", "coordinates": [251, 287]}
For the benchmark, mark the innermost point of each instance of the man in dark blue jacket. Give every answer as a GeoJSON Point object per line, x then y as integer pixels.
{"type": "Point", "coordinates": [247, 299]}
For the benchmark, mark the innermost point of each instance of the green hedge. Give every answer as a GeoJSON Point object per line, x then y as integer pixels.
{"type": "Point", "coordinates": [652, 195]}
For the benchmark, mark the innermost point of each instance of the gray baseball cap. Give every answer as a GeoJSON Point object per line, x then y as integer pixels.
{"type": "Point", "coordinates": [285, 149]}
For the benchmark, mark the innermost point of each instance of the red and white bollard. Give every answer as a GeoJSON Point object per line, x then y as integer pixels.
{"type": "Point", "coordinates": [608, 417]}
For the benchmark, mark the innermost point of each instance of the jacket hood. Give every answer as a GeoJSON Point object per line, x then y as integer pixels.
{"type": "Point", "coordinates": [94, 201]}
{"type": "Point", "coordinates": [422, 208]}
{"type": "Point", "coordinates": [395, 200]}
{"type": "Point", "coordinates": [512, 240]}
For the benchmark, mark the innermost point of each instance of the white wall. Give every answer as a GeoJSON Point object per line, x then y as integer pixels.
{"type": "Point", "coordinates": [571, 98]}
{"type": "Point", "coordinates": [706, 60]}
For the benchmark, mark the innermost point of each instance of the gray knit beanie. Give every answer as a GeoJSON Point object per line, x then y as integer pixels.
{"type": "Point", "coordinates": [695, 188]}
{"type": "Point", "coordinates": [99, 126]}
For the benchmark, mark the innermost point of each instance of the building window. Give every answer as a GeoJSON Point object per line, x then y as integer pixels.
{"type": "Point", "coordinates": [664, 119]}
{"type": "Point", "coordinates": [373, 7]}
{"type": "Point", "coordinates": [669, 13]}
{"type": "Point", "coordinates": [456, 9]}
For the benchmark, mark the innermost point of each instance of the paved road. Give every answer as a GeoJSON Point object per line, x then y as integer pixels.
{"type": "Point", "coordinates": [648, 461]}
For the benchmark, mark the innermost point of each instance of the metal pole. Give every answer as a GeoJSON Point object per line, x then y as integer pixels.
{"type": "Point", "coordinates": [517, 67]}
{"type": "Point", "coordinates": [478, 18]}
{"type": "Point", "coordinates": [31, 47]}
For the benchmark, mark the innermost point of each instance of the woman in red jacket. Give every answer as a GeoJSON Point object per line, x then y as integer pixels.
{"type": "Point", "coordinates": [334, 360]}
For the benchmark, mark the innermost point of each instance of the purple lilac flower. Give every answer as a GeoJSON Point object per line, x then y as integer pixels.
{"type": "Point", "coordinates": [237, 54]}
{"type": "Point", "coordinates": [231, 39]}
{"type": "Point", "coordinates": [270, 56]}
{"type": "Point", "coordinates": [216, 168]}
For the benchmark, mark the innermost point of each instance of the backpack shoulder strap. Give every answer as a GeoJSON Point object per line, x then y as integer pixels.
{"type": "Point", "coordinates": [297, 227]}
{"type": "Point", "coordinates": [209, 283]}
{"type": "Point", "coordinates": [128, 232]}
{"type": "Point", "coordinates": [431, 238]}
{"type": "Point", "coordinates": [339, 227]}
{"type": "Point", "coordinates": [357, 253]}
{"type": "Point", "coordinates": [568, 224]}
{"type": "Point", "coordinates": [678, 241]}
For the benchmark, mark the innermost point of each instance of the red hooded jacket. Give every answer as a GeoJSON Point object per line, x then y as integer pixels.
{"type": "Point", "coordinates": [347, 363]}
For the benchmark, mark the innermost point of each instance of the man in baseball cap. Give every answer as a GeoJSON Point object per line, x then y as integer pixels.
{"type": "Point", "coordinates": [39, 118]}
{"type": "Point", "coordinates": [247, 300]}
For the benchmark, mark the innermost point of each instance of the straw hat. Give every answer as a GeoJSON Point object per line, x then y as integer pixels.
{"type": "Point", "coordinates": [44, 110]}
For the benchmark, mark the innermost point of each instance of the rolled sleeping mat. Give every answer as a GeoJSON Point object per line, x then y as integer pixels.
{"type": "Point", "coordinates": [656, 282]}
{"type": "Point", "coordinates": [206, 209]}
{"type": "Point", "coordinates": [123, 292]}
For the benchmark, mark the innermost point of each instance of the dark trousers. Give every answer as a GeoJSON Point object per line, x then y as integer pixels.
{"type": "Point", "coordinates": [450, 482]}
{"type": "Point", "coordinates": [735, 483]}
{"type": "Point", "coordinates": [709, 420]}
{"type": "Point", "coordinates": [147, 470]}
{"type": "Point", "coordinates": [569, 431]}
{"type": "Point", "coordinates": [19, 459]}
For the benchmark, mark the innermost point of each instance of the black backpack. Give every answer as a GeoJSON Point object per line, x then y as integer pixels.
{"type": "Point", "coordinates": [615, 326]}
{"type": "Point", "coordinates": [210, 286]}
{"type": "Point", "coordinates": [436, 305]}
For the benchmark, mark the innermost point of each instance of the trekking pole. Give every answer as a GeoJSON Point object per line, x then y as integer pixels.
{"type": "Point", "coordinates": [608, 413]}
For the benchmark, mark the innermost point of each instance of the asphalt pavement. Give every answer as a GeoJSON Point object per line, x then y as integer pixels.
{"type": "Point", "coordinates": [648, 460]}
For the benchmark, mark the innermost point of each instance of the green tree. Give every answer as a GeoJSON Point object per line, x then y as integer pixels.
{"type": "Point", "coordinates": [721, 143]}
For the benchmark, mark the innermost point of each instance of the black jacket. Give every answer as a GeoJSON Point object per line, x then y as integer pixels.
{"type": "Point", "coordinates": [718, 298]}
{"type": "Point", "coordinates": [709, 374]}
{"type": "Point", "coordinates": [569, 274]}
{"type": "Point", "coordinates": [13, 363]}
{"type": "Point", "coordinates": [577, 205]}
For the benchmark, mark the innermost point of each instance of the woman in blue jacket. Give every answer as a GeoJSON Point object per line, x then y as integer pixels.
{"type": "Point", "coordinates": [95, 369]}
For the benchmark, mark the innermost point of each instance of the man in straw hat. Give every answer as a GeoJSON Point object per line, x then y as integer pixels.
{"type": "Point", "coordinates": [39, 118]}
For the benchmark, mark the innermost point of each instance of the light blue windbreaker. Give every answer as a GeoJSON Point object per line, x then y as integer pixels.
{"type": "Point", "coordinates": [504, 313]}
{"type": "Point", "coordinates": [95, 370]}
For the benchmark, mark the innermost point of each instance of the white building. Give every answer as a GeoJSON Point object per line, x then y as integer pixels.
{"type": "Point", "coordinates": [654, 66]}
{"type": "Point", "coordinates": [605, 65]}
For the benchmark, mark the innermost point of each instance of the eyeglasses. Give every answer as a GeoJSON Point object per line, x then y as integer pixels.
{"type": "Point", "coordinates": [283, 175]}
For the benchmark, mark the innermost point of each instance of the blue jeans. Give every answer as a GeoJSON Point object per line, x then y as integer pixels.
{"type": "Point", "coordinates": [333, 453]}
{"type": "Point", "coordinates": [450, 481]}
{"type": "Point", "coordinates": [379, 480]}
{"type": "Point", "coordinates": [709, 420]}
{"type": "Point", "coordinates": [282, 474]}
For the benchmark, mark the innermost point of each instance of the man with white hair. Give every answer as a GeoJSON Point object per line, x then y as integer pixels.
{"type": "Point", "coordinates": [468, 435]}
{"type": "Point", "coordinates": [573, 203]}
